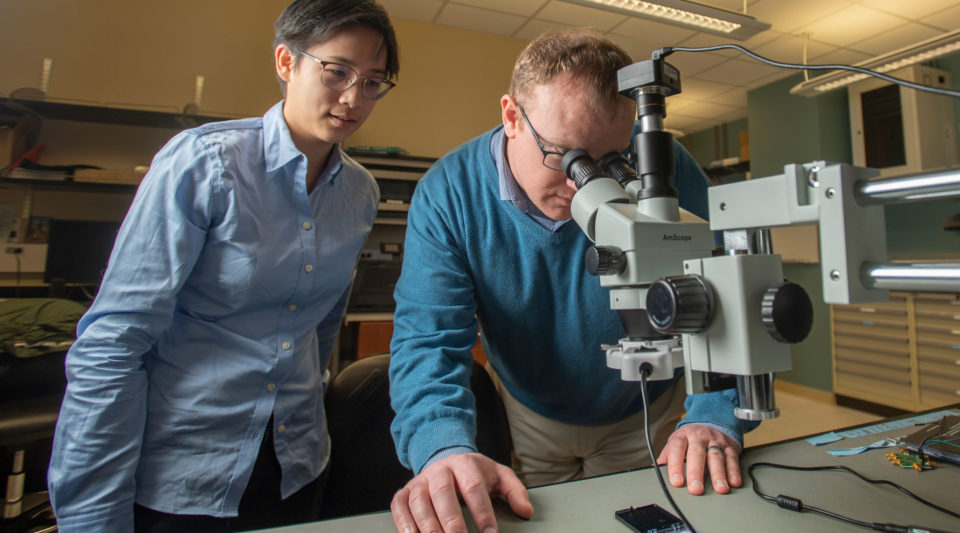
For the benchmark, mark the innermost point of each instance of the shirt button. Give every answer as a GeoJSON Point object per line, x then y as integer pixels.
{"type": "Point", "coordinates": [306, 225]}
{"type": "Point", "coordinates": [285, 345]}
{"type": "Point", "coordinates": [308, 268]}
{"type": "Point", "coordinates": [292, 307]}
{"type": "Point", "coordinates": [271, 386]}
{"type": "Point", "coordinates": [281, 428]}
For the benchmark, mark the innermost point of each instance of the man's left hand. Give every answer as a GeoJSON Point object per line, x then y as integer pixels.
{"type": "Point", "coordinates": [702, 448]}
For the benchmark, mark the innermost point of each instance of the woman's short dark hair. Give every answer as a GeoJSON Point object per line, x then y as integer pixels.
{"type": "Point", "coordinates": [306, 23]}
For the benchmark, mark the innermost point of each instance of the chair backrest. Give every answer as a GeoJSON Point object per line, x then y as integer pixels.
{"type": "Point", "coordinates": [364, 471]}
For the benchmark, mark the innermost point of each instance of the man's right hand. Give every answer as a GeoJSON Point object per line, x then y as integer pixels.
{"type": "Point", "coordinates": [429, 503]}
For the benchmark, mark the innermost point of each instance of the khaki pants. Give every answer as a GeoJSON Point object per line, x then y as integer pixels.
{"type": "Point", "coordinates": [547, 451]}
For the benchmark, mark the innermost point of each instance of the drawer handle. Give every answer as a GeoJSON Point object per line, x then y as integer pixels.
{"type": "Point", "coordinates": [868, 309]}
{"type": "Point", "coordinates": [872, 323]}
{"type": "Point", "coordinates": [955, 346]}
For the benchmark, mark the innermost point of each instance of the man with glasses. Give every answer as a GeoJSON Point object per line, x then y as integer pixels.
{"type": "Point", "coordinates": [490, 242]}
{"type": "Point", "coordinates": [195, 388]}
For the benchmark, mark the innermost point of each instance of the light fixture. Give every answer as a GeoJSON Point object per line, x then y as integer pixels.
{"type": "Point", "coordinates": [692, 15]}
{"type": "Point", "coordinates": [917, 53]}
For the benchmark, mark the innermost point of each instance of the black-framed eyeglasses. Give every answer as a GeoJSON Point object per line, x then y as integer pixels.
{"type": "Point", "coordinates": [341, 77]}
{"type": "Point", "coordinates": [551, 160]}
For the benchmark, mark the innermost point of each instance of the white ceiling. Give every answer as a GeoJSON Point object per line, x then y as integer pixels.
{"type": "Point", "coordinates": [714, 83]}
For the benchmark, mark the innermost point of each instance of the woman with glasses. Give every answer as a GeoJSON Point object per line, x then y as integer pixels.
{"type": "Point", "coordinates": [194, 400]}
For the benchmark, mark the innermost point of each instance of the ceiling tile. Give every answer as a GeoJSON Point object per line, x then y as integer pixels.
{"type": "Point", "coordinates": [789, 49]}
{"type": "Point", "coordinates": [638, 49]}
{"type": "Point", "coordinates": [422, 10]}
{"type": "Point", "coordinates": [700, 40]}
{"type": "Point", "coordinates": [948, 19]}
{"type": "Point", "coordinates": [679, 103]}
{"type": "Point", "coordinates": [736, 97]}
{"type": "Point", "coordinates": [914, 9]}
{"type": "Point", "coordinates": [851, 24]}
{"type": "Point", "coordinates": [788, 15]}
{"type": "Point", "coordinates": [710, 110]}
{"type": "Point", "coordinates": [737, 72]}
{"type": "Point", "coordinates": [690, 63]}
{"type": "Point", "coordinates": [535, 27]}
{"type": "Point", "coordinates": [649, 30]}
{"type": "Point", "coordinates": [698, 89]}
{"type": "Point", "coordinates": [779, 74]}
{"type": "Point", "coordinates": [895, 39]}
{"type": "Point", "coordinates": [841, 56]}
{"type": "Point", "coordinates": [516, 7]}
{"type": "Point", "coordinates": [473, 18]}
{"type": "Point", "coordinates": [686, 124]}
{"type": "Point", "coordinates": [577, 15]}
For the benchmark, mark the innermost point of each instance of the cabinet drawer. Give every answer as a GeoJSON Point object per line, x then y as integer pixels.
{"type": "Point", "coordinates": [896, 304]}
{"type": "Point", "coordinates": [930, 379]}
{"type": "Point", "coordinates": [897, 346]}
{"type": "Point", "coordinates": [945, 306]}
{"type": "Point", "coordinates": [876, 390]}
{"type": "Point", "coordinates": [938, 360]}
{"type": "Point", "coordinates": [881, 317]}
{"type": "Point", "coordinates": [868, 329]}
{"type": "Point", "coordinates": [938, 326]}
{"type": "Point", "coordinates": [935, 397]}
{"type": "Point", "coordinates": [880, 359]}
{"type": "Point", "coordinates": [889, 375]}
{"type": "Point", "coordinates": [944, 339]}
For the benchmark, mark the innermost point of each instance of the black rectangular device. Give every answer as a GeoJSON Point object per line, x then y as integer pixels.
{"type": "Point", "coordinates": [78, 250]}
{"type": "Point", "coordinates": [650, 519]}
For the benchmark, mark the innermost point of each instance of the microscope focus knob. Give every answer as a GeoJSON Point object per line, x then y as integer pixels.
{"type": "Point", "coordinates": [605, 260]}
{"type": "Point", "coordinates": [680, 304]}
{"type": "Point", "coordinates": [787, 313]}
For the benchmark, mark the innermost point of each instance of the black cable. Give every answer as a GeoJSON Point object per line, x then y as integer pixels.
{"type": "Point", "coordinates": [656, 467]}
{"type": "Point", "coordinates": [663, 52]}
{"type": "Point", "coordinates": [795, 504]}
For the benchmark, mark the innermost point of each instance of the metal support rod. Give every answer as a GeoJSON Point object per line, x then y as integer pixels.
{"type": "Point", "coordinates": [763, 242]}
{"type": "Point", "coordinates": [756, 396]}
{"type": "Point", "coordinates": [916, 187]}
{"type": "Point", "coordinates": [936, 277]}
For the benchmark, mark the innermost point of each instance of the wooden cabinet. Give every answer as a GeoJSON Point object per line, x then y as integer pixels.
{"type": "Point", "coordinates": [904, 353]}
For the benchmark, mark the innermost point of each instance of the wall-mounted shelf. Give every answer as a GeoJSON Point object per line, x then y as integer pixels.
{"type": "Point", "coordinates": [106, 113]}
{"type": "Point", "coordinates": [397, 176]}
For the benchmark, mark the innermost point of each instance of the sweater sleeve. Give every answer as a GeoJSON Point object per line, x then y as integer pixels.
{"type": "Point", "coordinates": [434, 329]}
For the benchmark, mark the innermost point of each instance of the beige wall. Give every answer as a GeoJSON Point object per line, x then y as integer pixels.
{"type": "Point", "coordinates": [149, 53]}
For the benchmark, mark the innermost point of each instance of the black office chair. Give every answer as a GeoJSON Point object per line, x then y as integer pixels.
{"type": "Point", "coordinates": [30, 394]}
{"type": "Point", "coordinates": [364, 470]}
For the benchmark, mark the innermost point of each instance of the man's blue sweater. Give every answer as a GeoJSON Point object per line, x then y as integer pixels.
{"type": "Point", "coordinates": [471, 256]}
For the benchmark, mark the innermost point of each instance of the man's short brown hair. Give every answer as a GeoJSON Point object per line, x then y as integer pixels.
{"type": "Point", "coordinates": [579, 52]}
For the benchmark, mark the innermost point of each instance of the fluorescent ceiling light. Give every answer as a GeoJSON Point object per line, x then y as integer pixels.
{"type": "Point", "coordinates": [917, 53]}
{"type": "Point", "coordinates": [685, 13]}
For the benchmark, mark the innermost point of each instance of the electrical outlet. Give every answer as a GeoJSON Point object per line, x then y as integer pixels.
{"type": "Point", "coordinates": [14, 250]}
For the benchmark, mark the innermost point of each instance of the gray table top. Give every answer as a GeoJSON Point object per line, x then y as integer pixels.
{"type": "Point", "coordinates": [589, 504]}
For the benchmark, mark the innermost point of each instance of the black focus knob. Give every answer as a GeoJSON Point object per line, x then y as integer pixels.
{"type": "Point", "coordinates": [787, 313]}
{"type": "Point", "coordinates": [605, 260]}
{"type": "Point", "coordinates": [680, 304]}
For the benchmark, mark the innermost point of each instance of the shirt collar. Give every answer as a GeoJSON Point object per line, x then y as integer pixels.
{"type": "Point", "coordinates": [278, 147]}
{"type": "Point", "coordinates": [509, 188]}
{"type": "Point", "coordinates": [279, 150]}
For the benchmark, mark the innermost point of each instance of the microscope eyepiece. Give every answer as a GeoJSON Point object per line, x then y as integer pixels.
{"type": "Point", "coordinates": [618, 167]}
{"type": "Point", "coordinates": [580, 167]}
